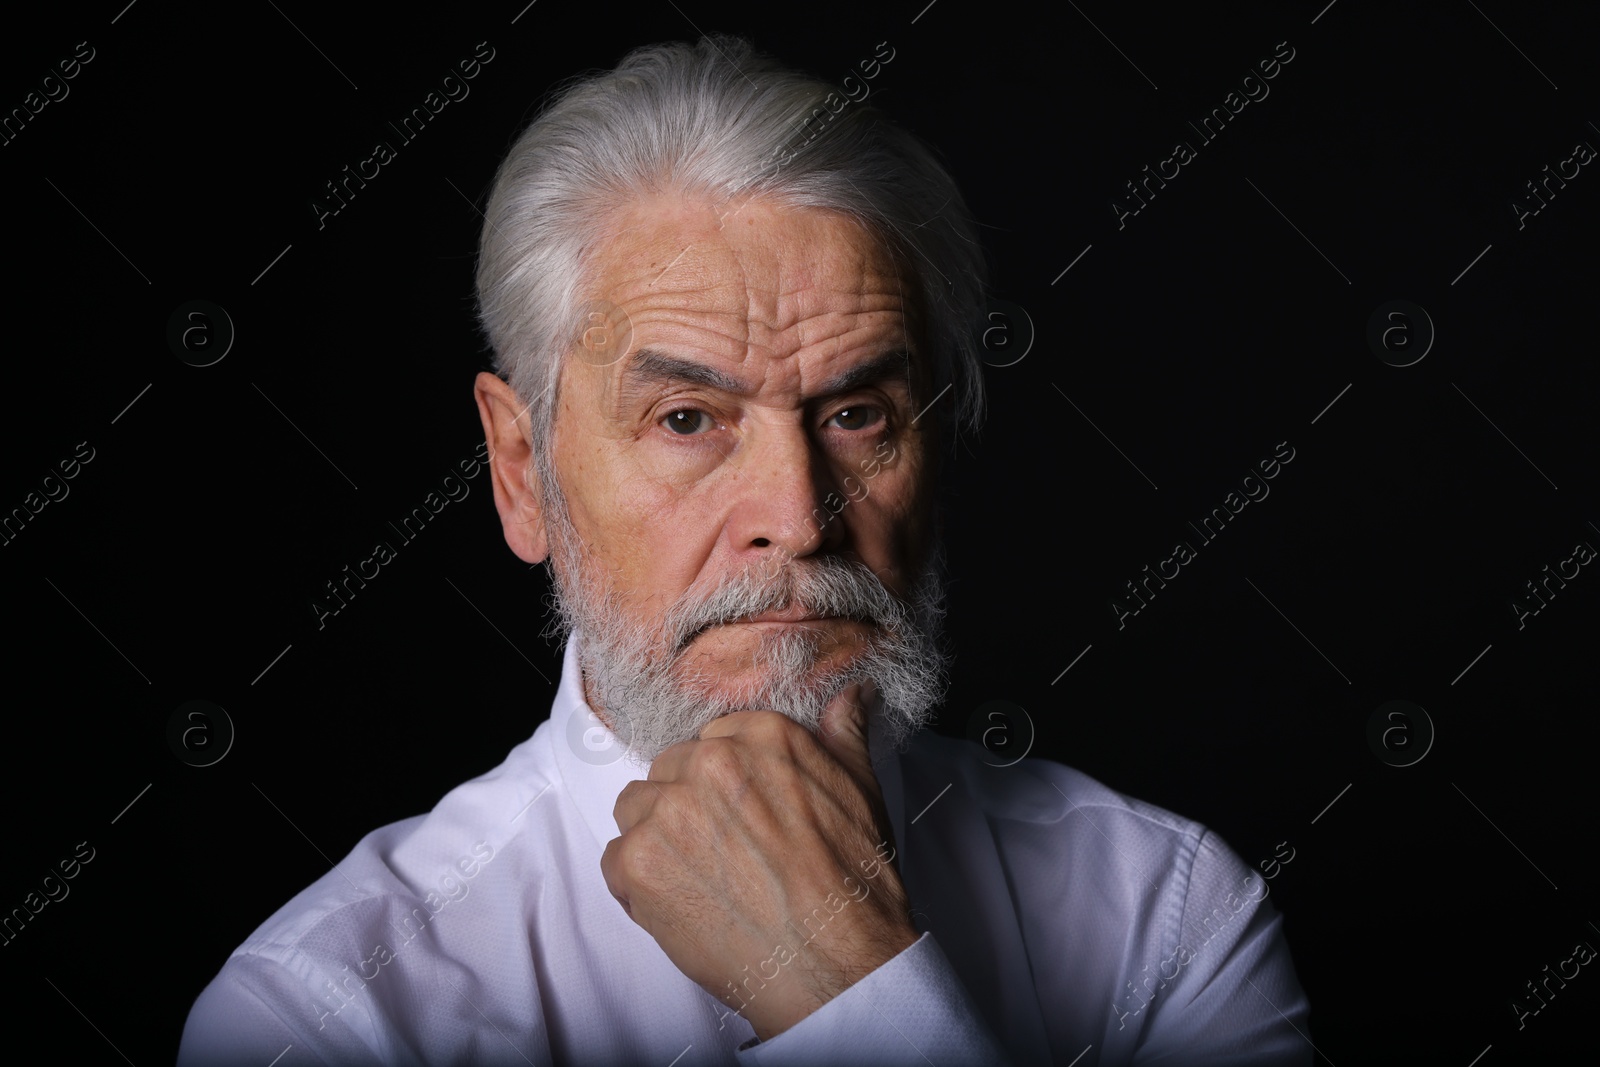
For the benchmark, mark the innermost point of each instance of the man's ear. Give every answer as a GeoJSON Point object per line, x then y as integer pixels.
{"type": "Point", "coordinates": [511, 468]}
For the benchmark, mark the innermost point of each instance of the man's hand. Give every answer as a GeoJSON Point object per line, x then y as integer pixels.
{"type": "Point", "coordinates": [757, 857]}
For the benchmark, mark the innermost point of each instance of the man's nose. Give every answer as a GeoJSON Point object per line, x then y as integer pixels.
{"type": "Point", "coordinates": [788, 503]}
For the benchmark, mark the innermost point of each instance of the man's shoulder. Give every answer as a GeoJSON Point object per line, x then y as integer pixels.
{"type": "Point", "coordinates": [1035, 790]}
{"type": "Point", "coordinates": [1041, 812]}
{"type": "Point", "coordinates": [410, 870]}
{"type": "Point", "coordinates": [408, 902]}
{"type": "Point", "coordinates": [1041, 856]}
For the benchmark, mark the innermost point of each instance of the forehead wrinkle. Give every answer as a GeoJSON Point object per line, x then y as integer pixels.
{"type": "Point", "coordinates": [839, 275]}
{"type": "Point", "coordinates": [834, 316]}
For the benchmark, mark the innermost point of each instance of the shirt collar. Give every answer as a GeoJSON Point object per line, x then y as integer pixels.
{"type": "Point", "coordinates": [595, 765]}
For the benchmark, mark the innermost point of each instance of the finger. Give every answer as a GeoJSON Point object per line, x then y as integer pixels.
{"type": "Point", "coordinates": [668, 766]}
{"type": "Point", "coordinates": [611, 872]}
{"type": "Point", "coordinates": [843, 731]}
{"type": "Point", "coordinates": [636, 801]}
{"type": "Point", "coordinates": [726, 725]}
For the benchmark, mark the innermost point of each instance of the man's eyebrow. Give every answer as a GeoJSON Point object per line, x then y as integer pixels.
{"type": "Point", "coordinates": [885, 368]}
{"type": "Point", "coordinates": [648, 365]}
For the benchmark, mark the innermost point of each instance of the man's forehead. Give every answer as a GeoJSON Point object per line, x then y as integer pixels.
{"type": "Point", "coordinates": [726, 284]}
{"type": "Point", "coordinates": [776, 262]}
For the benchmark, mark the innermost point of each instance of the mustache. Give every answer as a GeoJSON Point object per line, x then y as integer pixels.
{"type": "Point", "coordinates": [823, 585]}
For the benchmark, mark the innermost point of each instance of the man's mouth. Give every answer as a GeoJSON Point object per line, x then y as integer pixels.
{"type": "Point", "coordinates": [791, 616]}
{"type": "Point", "coordinates": [788, 615]}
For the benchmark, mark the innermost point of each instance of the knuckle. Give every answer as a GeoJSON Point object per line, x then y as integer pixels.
{"type": "Point", "coordinates": [626, 799]}
{"type": "Point", "coordinates": [775, 733]}
{"type": "Point", "coordinates": [774, 724]}
{"type": "Point", "coordinates": [718, 759]}
{"type": "Point", "coordinates": [637, 859]}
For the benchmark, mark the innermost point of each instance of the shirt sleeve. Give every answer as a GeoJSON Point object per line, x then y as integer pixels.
{"type": "Point", "coordinates": [912, 1010]}
{"type": "Point", "coordinates": [1226, 993]}
{"type": "Point", "coordinates": [247, 1015]}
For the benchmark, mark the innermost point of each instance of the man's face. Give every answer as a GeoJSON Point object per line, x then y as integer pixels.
{"type": "Point", "coordinates": [744, 475]}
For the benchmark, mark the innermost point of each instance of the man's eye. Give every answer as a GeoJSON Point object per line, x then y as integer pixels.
{"type": "Point", "coordinates": [687, 422]}
{"type": "Point", "coordinates": [857, 418]}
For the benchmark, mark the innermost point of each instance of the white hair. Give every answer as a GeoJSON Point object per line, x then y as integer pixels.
{"type": "Point", "coordinates": [655, 694]}
{"type": "Point", "coordinates": [716, 119]}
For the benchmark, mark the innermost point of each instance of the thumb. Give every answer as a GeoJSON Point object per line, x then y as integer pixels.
{"type": "Point", "coordinates": [844, 726]}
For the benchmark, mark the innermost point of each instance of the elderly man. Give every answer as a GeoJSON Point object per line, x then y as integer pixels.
{"type": "Point", "coordinates": [731, 305]}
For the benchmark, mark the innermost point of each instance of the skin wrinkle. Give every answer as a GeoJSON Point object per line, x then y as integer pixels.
{"type": "Point", "coordinates": [658, 524]}
{"type": "Point", "coordinates": [667, 536]}
{"type": "Point", "coordinates": [766, 821]}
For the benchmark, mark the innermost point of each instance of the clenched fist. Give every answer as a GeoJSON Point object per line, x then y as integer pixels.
{"type": "Point", "coordinates": [758, 858]}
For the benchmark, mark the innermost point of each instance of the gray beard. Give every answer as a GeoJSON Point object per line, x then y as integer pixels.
{"type": "Point", "coordinates": [654, 694]}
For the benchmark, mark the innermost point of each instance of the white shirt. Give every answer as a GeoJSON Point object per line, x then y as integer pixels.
{"type": "Point", "coordinates": [1058, 918]}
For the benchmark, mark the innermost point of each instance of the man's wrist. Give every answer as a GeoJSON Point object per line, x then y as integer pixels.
{"type": "Point", "coordinates": [909, 1012]}
{"type": "Point", "coordinates": [828, 977]}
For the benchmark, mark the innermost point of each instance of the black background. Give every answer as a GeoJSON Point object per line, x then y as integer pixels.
{"type": "Point", "coordinates": [1221, 320]}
